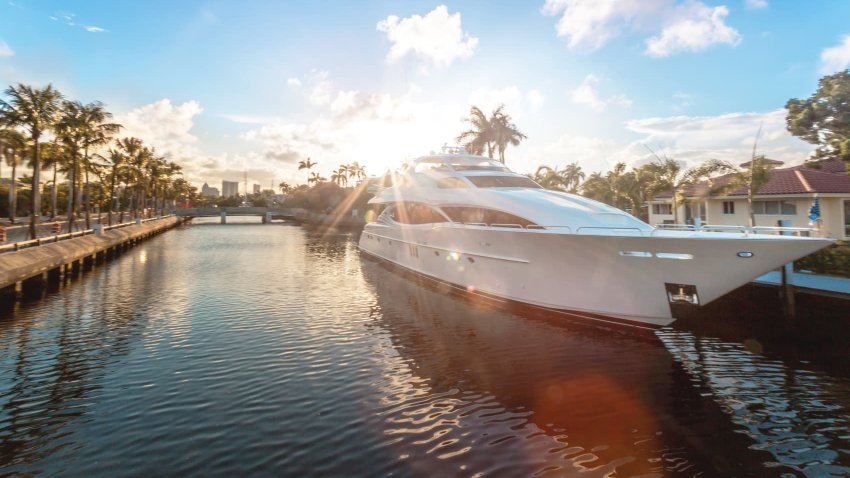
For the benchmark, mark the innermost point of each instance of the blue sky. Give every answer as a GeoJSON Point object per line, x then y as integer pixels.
{"type": "Point", "coordinates": [226, 86]}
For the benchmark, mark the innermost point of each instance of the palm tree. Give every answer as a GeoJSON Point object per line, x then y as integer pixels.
{"type": "Point", "coordinates": [115, 162]}
{"type": "Point", "coordinates": [306, 164]}
{"type": "Point", "coordinates": [752, 176]}
{"type": "Point", "coordinates": [480, 136]}
{"type": "Point", "coordinates": [53, 155]}
{"type": "Point", "coordinates": [504, 132]}
{"type": "Point", "coordinates": [548, 178]}
{"type": "Point", "coordinates": [316, 178]}
{"type": "Point", "coordinates": [355, 170]}
{"type": "Point", "coordinates": [493, 133]}
{"type": "Point", "coordinates": [284, 187]}
{"type": "Point", "coordinates": [96, 131]}
{"type": "Point", "coordinates": [573, 176]}
{"type": "Point", "coordinates": [70, 129]}
{"type": "Point", "coordinates": [136, 156]}
{"type": "Point", "coordinates": [668, 175]}
{"type": "Point", "coordinates": [36, 110]}
{"type": "Point", "coordinates": [13, 144]}
{"type": "Point", "coordinates": [614, 187]}
{"type": "Point", "coordinates": [339, 177]}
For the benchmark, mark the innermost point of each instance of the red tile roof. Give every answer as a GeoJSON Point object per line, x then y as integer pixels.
{"type": "Point", "coordinates": [831, 177]}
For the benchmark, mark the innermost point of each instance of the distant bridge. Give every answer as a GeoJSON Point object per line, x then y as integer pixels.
{"type": "Point", "coordinates": [266, 213]}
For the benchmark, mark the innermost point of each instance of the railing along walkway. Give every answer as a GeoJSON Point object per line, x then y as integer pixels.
{"type": "Point", "coordinates": [16, 246]}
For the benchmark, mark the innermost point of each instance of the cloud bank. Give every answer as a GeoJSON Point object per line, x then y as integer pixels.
{"type": "Point", "coordinates": [437, 37]}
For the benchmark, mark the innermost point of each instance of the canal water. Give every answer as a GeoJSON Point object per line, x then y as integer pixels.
{"type": "Point", "coordinates": [265, 350]}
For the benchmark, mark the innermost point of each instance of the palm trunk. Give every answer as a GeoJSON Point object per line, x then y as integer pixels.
{"type": "Point", "coordinates": [86, 195]}
{"type": "Point", "coordinates": [13, 194]}
{"type": "Point", "coordinates": [55, 192]}
{"type": "Point", "coordinates": [36, 192]}
{"type": "Point", "coordinates": [111, 198]}
{"type": "Point", "coordinates": [72, 197]}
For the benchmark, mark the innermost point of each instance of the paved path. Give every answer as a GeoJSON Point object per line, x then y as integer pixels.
{"type": "Point", "coordinates": [20, 231]}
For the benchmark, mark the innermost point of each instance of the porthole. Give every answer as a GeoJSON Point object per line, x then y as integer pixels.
{"type": "Point", "coordinates": [437, 253]}
{"type": "Point", "coordinates": [471, 260]}
{"type": "Point", "coordinates": [745, 254]}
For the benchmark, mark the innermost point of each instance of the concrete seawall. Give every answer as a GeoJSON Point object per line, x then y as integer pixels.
{"type": "Point", "coordinates": [32, 263]}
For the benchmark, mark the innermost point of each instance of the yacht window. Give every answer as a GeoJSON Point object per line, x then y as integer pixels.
{"type": "Point", "coordinates": [423, 166]}
{"type": "Point", "coordinates": [503, 182]}
{"type": "Point", "coordinates": [374, 211]}
{"type": "Point", "coordinates": [415, 213]}
{"type": "Point", "coordinates": [480, 215]}
{"type": "Point", "coordinates": [476, 164]}
{"type": "Point", "coordinates": [449, 183]}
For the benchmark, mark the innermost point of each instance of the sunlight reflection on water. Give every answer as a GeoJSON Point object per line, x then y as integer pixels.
{"type": "Point", "coordinates": [266, 349]}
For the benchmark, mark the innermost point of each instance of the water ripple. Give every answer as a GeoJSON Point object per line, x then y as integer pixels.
{"type": "Point", "coordinates": [222, 350]}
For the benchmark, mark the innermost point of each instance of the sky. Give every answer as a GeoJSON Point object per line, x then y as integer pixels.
{"type": "Point", "coordinates": [224, 87]}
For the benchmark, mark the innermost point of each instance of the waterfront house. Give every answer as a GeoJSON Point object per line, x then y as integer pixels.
{"type": "Point", "coordinates": [788, 195]}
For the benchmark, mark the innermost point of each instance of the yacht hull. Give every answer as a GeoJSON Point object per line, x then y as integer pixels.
{"type": "Point", "coordinates": [626, 278]}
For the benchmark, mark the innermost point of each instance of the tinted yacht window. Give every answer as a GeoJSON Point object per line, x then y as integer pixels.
{"type": "Point", "coordinates": [449, 183]}
{"type": "Point", "coordinates": [480, 215]}
{"type": "Point", "coordinates": [502, 182]}
{"type": "Point", "coordinates": [415, 213]}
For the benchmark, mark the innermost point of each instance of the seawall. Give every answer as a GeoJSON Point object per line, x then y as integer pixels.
{"type": "Point", "coordinates": [33, 262]}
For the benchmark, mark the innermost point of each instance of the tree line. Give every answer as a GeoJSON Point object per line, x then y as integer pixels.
{"type": "Point", "coordinates": [44, 131]}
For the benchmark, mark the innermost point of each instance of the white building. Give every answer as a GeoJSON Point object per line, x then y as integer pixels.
{"type": "Point", "coordinates": [788, 195]}
{"type": "Point", "coordinates": [209, 192]}
{"type": "Point", "coordinates": [229, 188]}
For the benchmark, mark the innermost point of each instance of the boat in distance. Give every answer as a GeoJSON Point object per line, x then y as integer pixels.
{"type": "Point", "coordinates": [470, 222]}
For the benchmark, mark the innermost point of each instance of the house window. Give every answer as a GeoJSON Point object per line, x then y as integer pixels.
{"type": "Point", "coordinates": [728, 207]}
{"type": "Point", "coordinates": [774, 208]}
{"type": "Point", "coordinates": [662, 209]}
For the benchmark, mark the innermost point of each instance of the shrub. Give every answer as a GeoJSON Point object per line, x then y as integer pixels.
{"type": "Point", "coordinates": [833, 260]}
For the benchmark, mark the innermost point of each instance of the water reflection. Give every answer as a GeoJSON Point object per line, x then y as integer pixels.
{"type": "Point", "coordinates": [799, 416]}
{"type": "Point", "coordinates": [544, 397]}
{"type": "Point", "coordinates": [241, 350]}
{"type": "Point", "coordinates": [53, 364]}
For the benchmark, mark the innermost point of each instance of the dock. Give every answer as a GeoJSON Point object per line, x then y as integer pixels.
{"type": "Point", "coordinates": [51, 257]}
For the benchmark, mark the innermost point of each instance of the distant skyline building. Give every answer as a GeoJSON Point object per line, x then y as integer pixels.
{"type": "Point", "coordinates": [210, 192]}
{"type": "Point", "coordinates": [229, 188]}
{"type": "Point", "coordinates": [256, 189]}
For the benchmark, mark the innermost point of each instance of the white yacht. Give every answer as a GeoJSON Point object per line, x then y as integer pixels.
{"type": "Point", "coordinates": [470, 222]}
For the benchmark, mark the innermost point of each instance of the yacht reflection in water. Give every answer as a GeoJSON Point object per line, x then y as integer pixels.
{"type": "Point", "coordinates": [490, 391]}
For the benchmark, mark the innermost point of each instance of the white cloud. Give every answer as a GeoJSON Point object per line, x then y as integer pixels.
{"type": "Point", "coordinates": [593, 22]}
{"type": "Point", "coordinates": [376, 129]}
{"type": "Point", "coordinates": [437, 37]}
{"type": "Point", "coordinates": [691, 26]}
{"type": "Point", "coordinates": [94, 29]}
{"type": "Point", "coordinates": [5, 50]}
{"type": "Point", "coordinates": [755, 4]}
{"type": "Point", "coordinates": [167, 128]}
{"type": "Point", "coordinates": [320, 93]}
{"type": "Point", "coordinates": [727, 137]}
{"type": "Point", "coordinates": [592, 154]}
{"type": "Point", "coordinates": [689, 139]}
{"type": "Point", "coordinates": [248, 119]}
{"type": "Point", "coordinates": [696, 28]}
{"type": "Point", "coordinates": [836, 58]}
{"type": "Point", "coordinates": [586, 94]}
{"type": "Point", "coordinates": [294, 82]}
{"type": "Point", "coordinates": [517, 103]}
